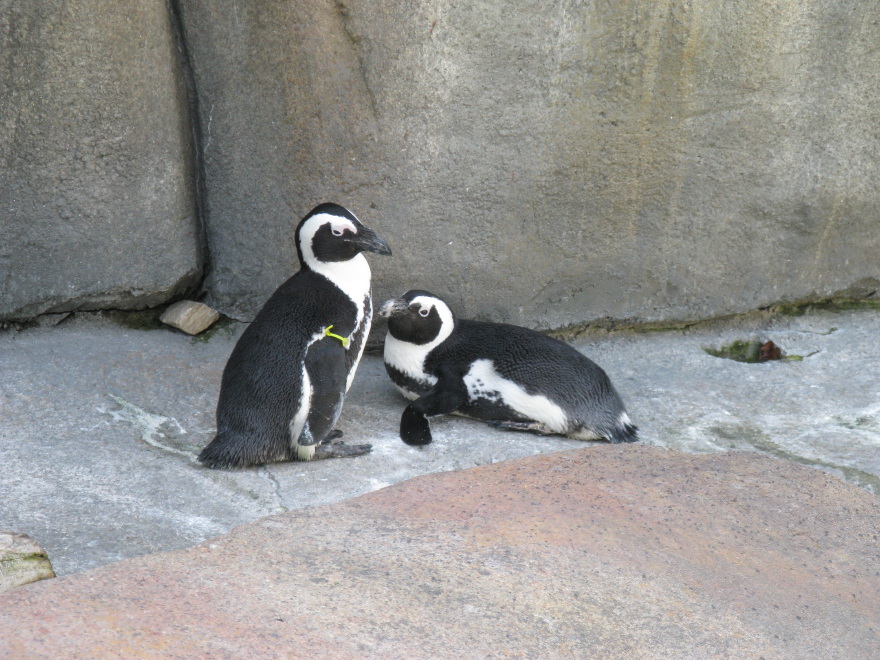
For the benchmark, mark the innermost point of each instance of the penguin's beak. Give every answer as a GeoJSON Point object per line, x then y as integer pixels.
{"type": "Point", "coordinates": [369, 241]}
{"type": "Point", "coordinates": [394, 306]}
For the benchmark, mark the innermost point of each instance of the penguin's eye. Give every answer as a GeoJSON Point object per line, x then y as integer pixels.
{"type": "Point", "coordinates": [424, 311]}
{"type": "Point", "coordinates": [336, 232]}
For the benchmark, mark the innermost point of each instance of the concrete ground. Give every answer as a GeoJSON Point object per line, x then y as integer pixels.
{"type": "Point", "coordinates": [101, 423]}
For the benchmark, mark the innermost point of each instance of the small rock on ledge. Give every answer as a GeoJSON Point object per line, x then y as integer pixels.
{"type": "Point", "coordinates": [189, 316]}
{"type": "Point", "coordinates": [22, 561]}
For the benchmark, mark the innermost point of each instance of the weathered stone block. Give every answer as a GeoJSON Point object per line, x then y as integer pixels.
{"type": "Point", "coordinates": [548, 164]}
{"type": "Point", "coordinates": [96, 172]}
{"type": "Point", "coordinates": [190, 316]}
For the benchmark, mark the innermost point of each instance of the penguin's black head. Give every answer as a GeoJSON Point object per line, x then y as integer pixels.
{"type": "Point", "coordinates": [331, 233]}
{"type": "Point", "coordinates": [418, 317]}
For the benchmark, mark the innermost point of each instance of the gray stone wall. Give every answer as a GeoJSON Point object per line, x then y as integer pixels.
{"type": "Point", "coordinates": [96, 175]}
{"type": "Point", "coordinates": [538, 163]}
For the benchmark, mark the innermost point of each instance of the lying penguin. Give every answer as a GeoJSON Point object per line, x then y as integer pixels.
{"type": "Point", "coordinates": [512, 377]}
{"type": "Point", "coordinates": [285, 382]}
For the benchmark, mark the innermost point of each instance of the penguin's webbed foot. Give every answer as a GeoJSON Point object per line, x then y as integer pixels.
{"type": "Point", "coordinates": [335, 434]}
{"type": "Point", "coordinates": [414, 427]}
{"type": "Point", "coordinates": [529, 427]}
{"type": "Point", "coordinates": [339, 450]}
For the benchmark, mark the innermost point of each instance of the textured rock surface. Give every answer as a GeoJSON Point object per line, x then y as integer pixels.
{"type": "Point", "coordinates": [22, 561]}
{"type": "Point", "coordinates": [101, 426]}
{"type": "Point", "coordinates": [609, 552]}
{"type": "Point", "coordinates": [190, 316]}
{"type": "Point", "coordinates": [578, 160]}
{"type": "Point", "coordinates": [96, 180]}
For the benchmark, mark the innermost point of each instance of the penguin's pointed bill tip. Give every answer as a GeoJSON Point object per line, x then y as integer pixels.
{"type": "Point", "coordinates": [369, 241]}
{"type": "Point", "coordinates": [393, 306]}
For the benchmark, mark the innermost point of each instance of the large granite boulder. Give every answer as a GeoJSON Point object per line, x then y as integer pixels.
{"type": "Point", "coordinates": [97, 180]}
{"type": "Point", "coordinates": [609, 552]}
{"type": "Point", "coordinates": [549, 163]}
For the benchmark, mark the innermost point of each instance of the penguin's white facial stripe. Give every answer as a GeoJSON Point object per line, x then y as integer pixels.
{"type": "Point", "coordinates": [337, 223]}
{"type": "Point", "coordinates": [312, 225]}
{"type": "Point", "coordinates": [352, 276]}
{"type": "Point", "coordinates": [409, 358]}
{"type": "Point", "coordinates": [426, 304]}
{"type": "Point", "coordinates": [405, 355]}
{"type": "Point", "coordinates": [482, 381]}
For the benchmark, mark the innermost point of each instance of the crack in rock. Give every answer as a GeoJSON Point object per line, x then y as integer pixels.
{"type": "Point", "coordinates": [276, 487]}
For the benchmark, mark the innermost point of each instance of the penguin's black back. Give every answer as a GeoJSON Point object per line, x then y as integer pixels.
{"type": "Point", "coordinates": [261, 387]}
{"type": "Point", "coordinates": [538, 363]}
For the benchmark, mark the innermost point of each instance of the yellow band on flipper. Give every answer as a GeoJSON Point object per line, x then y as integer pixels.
{"type": "Point", "coordinates": [327, 333]}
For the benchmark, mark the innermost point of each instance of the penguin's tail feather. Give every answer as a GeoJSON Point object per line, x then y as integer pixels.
{"type": "Point", "coordinates": [624, 431]}
{"type": "Point", "coordinates": [224, 452]}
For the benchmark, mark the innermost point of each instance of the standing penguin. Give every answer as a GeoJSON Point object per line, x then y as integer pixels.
{"type": "Point", "coordinates": [284, 384]}
{"type": "Point", "coordinates": [512, 377]}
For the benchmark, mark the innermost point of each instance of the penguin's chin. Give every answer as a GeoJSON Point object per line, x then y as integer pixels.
{"type": "Point", "coordinates": [305, 452]}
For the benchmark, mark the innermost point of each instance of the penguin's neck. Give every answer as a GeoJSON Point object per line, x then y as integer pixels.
{"type": "Point", "coordinates": [351, 276]}
{"type": "Point", "coordinates": [409, 358]}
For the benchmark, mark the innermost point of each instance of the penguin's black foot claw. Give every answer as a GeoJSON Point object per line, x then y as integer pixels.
{"type": "Point", "coordinates": [340, 450]}
{"type": "Point", "coordinates": [333, 435]}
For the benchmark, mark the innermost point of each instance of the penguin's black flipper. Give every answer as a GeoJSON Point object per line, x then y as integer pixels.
{"type": "Point", "coordinates": [325, 363]}
{"type": "Point", "coordinates": [448, 395]}
{"type": "Point", "coordinates": [414, 427]}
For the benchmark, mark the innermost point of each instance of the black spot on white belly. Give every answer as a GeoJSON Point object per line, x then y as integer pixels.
{"type": "Point", "coordinates": [417, 386]}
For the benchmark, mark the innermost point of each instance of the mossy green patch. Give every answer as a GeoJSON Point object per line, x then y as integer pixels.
{"type": "Point", "coordinates": [739, 350]}
{"type": "Point", "coordinates": [749, 351]}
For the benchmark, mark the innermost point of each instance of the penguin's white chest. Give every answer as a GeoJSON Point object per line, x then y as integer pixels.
{"type": "Point", "coordinates": [408, 359]}
{"type": "Point", "coordinates": [352, 277]}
